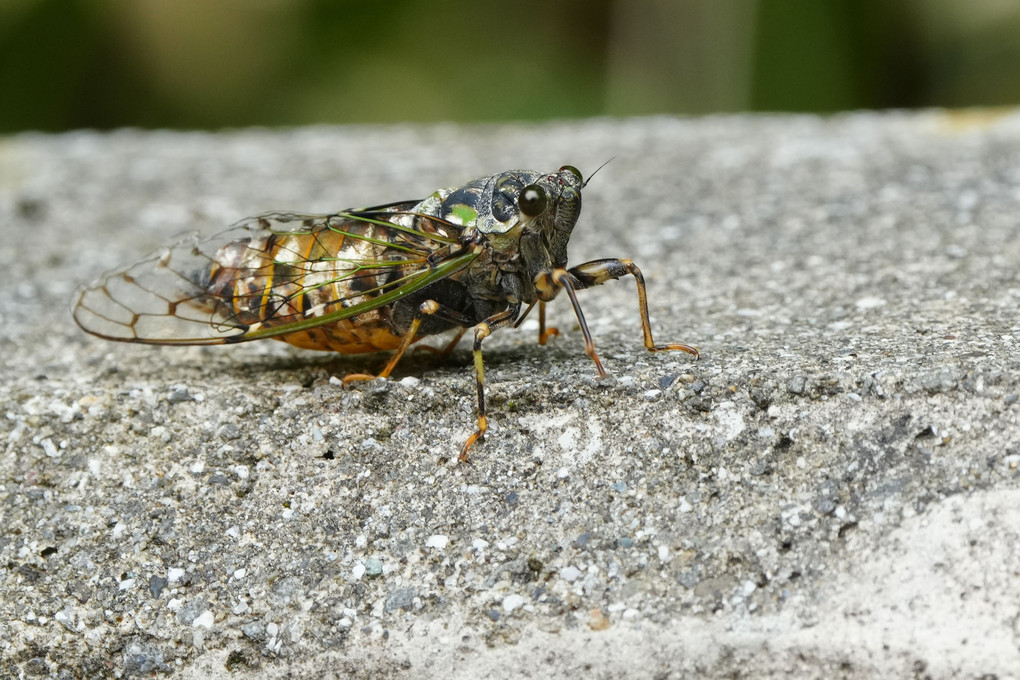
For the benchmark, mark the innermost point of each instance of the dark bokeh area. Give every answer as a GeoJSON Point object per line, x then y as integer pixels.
{"type": "Point", "coordinates": [68, 64]}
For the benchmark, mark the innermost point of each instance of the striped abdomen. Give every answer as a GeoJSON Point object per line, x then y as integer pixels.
{"type": "Point", "coordinates": [277, 278]}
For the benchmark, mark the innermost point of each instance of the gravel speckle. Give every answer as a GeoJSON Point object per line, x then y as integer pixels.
{"type": "Point", "coordinates": [512, 602]}
{"type": "Point", "coordinates": [143, 659]}
{"type": "Point", "coordinates": [156, 585]}
{"type": "Point", "coordinates": [402, 598]}
{"type": "Point", "coordinates": [179, 394]}
{"type": "Point", "coordinates": [437, 541]}
{"type": "Point", "coordinates": [570, 574]}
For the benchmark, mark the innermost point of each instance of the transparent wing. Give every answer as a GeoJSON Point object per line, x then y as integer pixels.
{"type": "Point", "coordinates": [271, 275]}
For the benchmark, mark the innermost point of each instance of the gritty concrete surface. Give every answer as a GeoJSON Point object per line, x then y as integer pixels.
{"type": "Point", "coordinates": [831, 492]}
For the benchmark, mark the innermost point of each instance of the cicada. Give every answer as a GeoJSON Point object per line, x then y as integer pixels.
{"type": "Point", "coordinates": [480, 256]}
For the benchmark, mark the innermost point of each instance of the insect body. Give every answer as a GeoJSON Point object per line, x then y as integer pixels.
{"type": "Point", "coordinates": [479, 256]}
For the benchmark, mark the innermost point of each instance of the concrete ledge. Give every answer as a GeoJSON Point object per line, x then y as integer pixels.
{"type": "Point", "coordinates": [831, 491]}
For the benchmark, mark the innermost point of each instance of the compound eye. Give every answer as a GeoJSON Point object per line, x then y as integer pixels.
{"type": "Point", "coordinates": [533, 200]}
{"type": "Point", "coordinates": [573, 171]}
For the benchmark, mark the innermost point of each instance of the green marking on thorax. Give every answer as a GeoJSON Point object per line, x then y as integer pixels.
{"type": "Point", "coordinates": [465, 213]}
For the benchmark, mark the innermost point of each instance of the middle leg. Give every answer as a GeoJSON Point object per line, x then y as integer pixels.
{"type": "Point", "coordinates": [426, 308]}
{"type": "Point", "coordinates": [482, 331]}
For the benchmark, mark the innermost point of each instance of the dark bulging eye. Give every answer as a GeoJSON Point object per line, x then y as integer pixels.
{"type": "Point", "coordinates": [533, 200]}
{"type": "Point", "coordinates": [573, 171]}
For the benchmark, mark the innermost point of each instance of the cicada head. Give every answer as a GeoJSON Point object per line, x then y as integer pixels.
{"type": "Point", "coordinates": [549, 207]}
{"type": "Point", "coordinates": [496, 205]}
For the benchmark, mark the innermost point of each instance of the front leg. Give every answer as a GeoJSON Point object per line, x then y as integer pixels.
{"type": "Point", "coordinates": [596, 273]}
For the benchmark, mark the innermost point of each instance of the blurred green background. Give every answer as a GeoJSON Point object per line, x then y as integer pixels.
{"type": "Point", "coordinates": [220, 63]}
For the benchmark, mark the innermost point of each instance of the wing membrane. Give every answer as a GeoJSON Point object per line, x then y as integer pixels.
{"type": "Point", "coordinates": [271, 275]}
